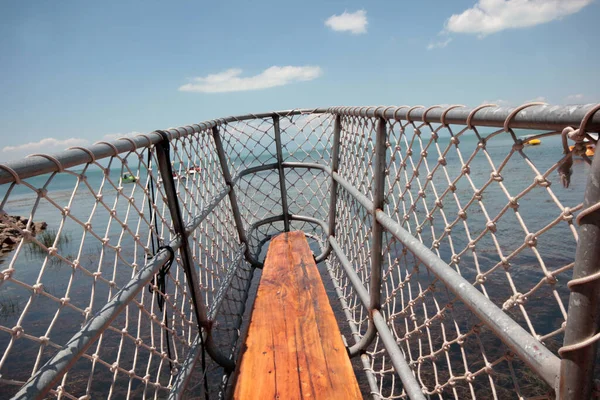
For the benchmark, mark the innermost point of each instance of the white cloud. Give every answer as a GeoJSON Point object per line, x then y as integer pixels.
{"type": "Point", "coordinates": [47, 145]}
{"type": "Point", "coordinates": [231, 81]}
{"type": "Point", "coordinates": [511, 103]}
{"type": "Point", "coordinates": [498, 102]}
{"type": "Point", "coordinates": [537, 99]}
{"type": "Point", "coordinates": [355, 22]}
{"type": "Point", "coordinates": [115, 136]}
{"type": "Point", "coordinates": [575, 98]}
{"type": "Point", "coordinates": [53, 145]}
{"type": "Point", "coordinates": [439, 45]}
{"type": "Point", "coordinates": [490, 16]}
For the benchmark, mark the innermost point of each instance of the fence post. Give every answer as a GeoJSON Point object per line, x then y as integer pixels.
{"type": "Point", "coordinates": [376, 235]}
{"type": "Point", "coordinates": [335, 163]}
{"type": "Point", "coordinates": [235, 209]}
{"type": "Point", "coordinates": [187, 261]}
{"type": "Point", "coordinates": [583, 320]}
{"type": "Point", "coordinates": [378, 196]}
{"type": "Point", "coordinates": [284, 204]}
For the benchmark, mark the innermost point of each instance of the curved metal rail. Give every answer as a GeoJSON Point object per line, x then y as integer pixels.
{"type": "Point", "coordinates": [576, 366]}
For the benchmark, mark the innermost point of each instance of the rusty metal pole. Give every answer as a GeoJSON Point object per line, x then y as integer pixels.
{"type": "Point", "coordinates": [335, 162]}
{"type": "Point", "coordinates": [187, 260]}
{"type": "Point", "coordinates": [282, 187]}
{"type": "Point", "coordinates": [378, 199]}
{"type": "Point", "coordinates": [379, 170]}
{"type": "Point", "coordinates": [583, 320]}
{"type": "Point", "coordinates": [235, 209]}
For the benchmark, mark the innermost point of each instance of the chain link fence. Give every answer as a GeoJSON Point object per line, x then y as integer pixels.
{"type": "Point", "coordinates": [445, 236]}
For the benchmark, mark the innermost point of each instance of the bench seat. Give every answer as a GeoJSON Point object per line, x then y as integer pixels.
{"type": "Point", "coordinates": [294, 348]}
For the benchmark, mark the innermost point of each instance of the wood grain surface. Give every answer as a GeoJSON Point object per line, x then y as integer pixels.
{"type": "Point", "coordinates": [294, 348]}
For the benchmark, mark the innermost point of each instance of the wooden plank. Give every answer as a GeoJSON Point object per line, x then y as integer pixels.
{"type": "Point", "coordinates": [294, 348]}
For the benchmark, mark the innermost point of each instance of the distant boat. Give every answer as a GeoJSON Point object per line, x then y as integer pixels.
{"type": "Point", "coordinates": [128, 178]}
{"type": "Point", "coordinates": [532, 142]}
{"type": "Point", "coordinates": [193, 170]}
{"type": "Point", "coordinates": [589, 149]}
{"type": "Point", "coordinates": [176, 177]}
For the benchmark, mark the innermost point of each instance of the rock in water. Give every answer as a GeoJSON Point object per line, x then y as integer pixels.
{"type": "Point", "coordinates": [11, 230]}
{"type": "Point", "coordinates": [39, 226]}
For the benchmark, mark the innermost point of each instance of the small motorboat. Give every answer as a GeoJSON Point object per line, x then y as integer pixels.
{"type": "Point", "coordinates": [176, 177]}
{"type": "Point", "coordinates": [193, 170]}
{"type": "Point", "coordinates": [128, 178]}
{"type": "Point", "coordinates": [532, 142]}
{"type": "Point", "coordinates": [589, 149]}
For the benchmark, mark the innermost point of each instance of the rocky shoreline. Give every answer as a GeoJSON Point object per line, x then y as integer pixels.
{"type": "Point", "coordinates": [11, 229]}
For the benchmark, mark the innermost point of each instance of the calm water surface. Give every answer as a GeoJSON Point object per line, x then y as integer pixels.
{"type": "Point", "coordinates": [536, 208]}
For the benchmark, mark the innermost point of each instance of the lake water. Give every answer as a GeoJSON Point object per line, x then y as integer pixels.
{"type": "Point", "coordinates": [258, 196]}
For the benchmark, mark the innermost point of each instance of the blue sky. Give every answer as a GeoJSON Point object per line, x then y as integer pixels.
{"type": "Point", "coordinates": [73, 72]}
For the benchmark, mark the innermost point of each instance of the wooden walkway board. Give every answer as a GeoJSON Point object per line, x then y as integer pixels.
{"type": "Point", "coordinates": [294, 348]}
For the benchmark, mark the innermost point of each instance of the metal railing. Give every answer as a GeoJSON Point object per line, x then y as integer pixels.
{"type": "Point", "coordinates": [441, 234]}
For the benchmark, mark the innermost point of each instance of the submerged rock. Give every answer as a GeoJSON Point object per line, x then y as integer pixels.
{"type": "Point", "coordinates": [11, 231]}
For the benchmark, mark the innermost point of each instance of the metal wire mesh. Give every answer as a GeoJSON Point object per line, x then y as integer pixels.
{"type": "Point", "coordinates": [475, 196]}
{"type": "Point", "coordinates": [98, 235]}
{"type": "Point", "coordinates": [444, 205]}
{"type": "Point", "coordinates": [483, 200]}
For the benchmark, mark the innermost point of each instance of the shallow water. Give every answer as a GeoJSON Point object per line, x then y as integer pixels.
{"type": "Point", "coordinates": [259, 195]}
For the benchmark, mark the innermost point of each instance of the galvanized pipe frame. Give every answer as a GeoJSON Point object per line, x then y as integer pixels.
{"type": "Point", "coordinates": [538, 117]}
{"type": "Point", "coordinates": [33, 166]}
{"type": "Point", "coordinates": [187, 260]}
{"type": "Point", "coordinates": [220, 296]}
{"type": "Point", "coordinates": [282, 188]}
{"type": "Point", "coordinates": [335, 164]}
{"type": "Point", "coordinates": [409, 381]}
{"type": "Point", "coordinates": [541, 360]}
{"type": "Point", "coordinates": [376, 235]}
{"type": "Point", "coordinates": [51, 373]}
{"type": "Point", "coordinates": [583, 323]}
{"type": "Point", "coordinates": [353, 277]}
{"type": "Point", "coordinates": [291, 217]}
{"type": "Point", "coordinates": [546, 364]}
{"type": "Point", "coordinates": [187, 368]}
{"type": "Point", "coordinates": [376, 323]}
{"type": "Point", "coordinates": [235, 209]}
{"type": "Point", "coordinates": [276, 166]}
{"type": "Point", "coordinates": [273, 166]}
{"type": "Point", "coordinates": [378, 198]}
